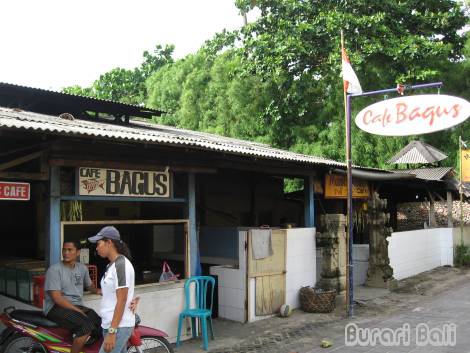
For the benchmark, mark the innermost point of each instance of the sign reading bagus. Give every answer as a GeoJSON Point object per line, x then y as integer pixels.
{"type": "Point", "coordinates": [118, 182]}
{"type": "Point", "coordinates": [413, 115]}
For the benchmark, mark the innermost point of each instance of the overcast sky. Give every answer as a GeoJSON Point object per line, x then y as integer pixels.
{"type": "Point", "coordinates": [57, 43]}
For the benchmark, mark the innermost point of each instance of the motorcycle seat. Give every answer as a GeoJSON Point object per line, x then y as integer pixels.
{"type": "Point", "coordinates": [34, 317]}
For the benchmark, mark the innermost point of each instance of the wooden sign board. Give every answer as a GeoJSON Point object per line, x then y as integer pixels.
{"type": "Point", "coordinates": [465, 165]}
{"type": "Point", "coordinates": [123, 183]}
{"type": "Point", "coordinates": [336, 187]}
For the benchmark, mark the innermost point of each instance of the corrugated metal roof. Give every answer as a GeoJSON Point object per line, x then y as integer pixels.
{"type": "Point", "coordinates": [138, 131]}
{"type": "Point", "coordinates": [417, 152]}
{"type": "Point", "coordinates": [51, 102]}
{"type": "Point", "coordinates": [427, 173]}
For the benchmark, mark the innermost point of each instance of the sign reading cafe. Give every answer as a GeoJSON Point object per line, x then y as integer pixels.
{"type": "Point", "coordinates": [127, 183]}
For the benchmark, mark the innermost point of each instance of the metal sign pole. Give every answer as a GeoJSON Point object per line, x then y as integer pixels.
{"type": "Point", "coordinates": [350, 282]}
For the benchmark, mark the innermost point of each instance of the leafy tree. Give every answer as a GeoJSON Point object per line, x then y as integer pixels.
{"type": "Point", "coordinates": [295, 44]}
{"type": "Point", "coordinates": [211, 93]}
{"type": "Point", "coordinates": [127, 86]}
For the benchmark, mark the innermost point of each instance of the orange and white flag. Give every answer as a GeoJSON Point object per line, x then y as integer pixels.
{"type": "Point", "coordinates": [351, 82]}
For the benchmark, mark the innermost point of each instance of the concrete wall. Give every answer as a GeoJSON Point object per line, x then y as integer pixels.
{"type": "Point", "coordinates": [232, 285]}
{"type": "Point", "coordinates": [361, 263]}
{"type": "Point", "coordinates": [159, 307]}
{"type": "Point", "coordinates": [300, 269]}
{"type": "Point", "coordinates": [417, 251]}
{"type": "Point", "coordinates": [301, 266]}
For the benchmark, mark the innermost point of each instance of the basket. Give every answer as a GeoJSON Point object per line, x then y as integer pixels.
{"type": "Point", "coordinates": [317, 301]}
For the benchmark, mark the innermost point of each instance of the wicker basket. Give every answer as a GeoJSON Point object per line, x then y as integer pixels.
{"type": "Point", "coordinates": [317, 301]}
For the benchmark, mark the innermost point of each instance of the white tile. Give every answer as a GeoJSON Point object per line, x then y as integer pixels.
{"type": "Point", "coordinates": [222, 311]}
{"type": "Point", "coordinates": [235, 298]}
{"type": "Point", "coordinates": [235, 314]}
{"type": "Point", "coordinates": [222, 296]}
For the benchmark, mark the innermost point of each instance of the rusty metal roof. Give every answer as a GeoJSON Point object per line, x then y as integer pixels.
{"type": "Point", "coordinates": [54, 103]}
{"type": "Point", "coordinates": [143, 132]}
{"type": "Point", "coordinates": [417, 152]}
{"type": "Point", "coordinates": [434, 174]}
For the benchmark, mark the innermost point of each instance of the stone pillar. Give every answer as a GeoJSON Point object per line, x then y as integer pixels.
{"type": "Point", "coordinates": [333, 242]}
{"type": "Point", "coordinates": [380, 273]}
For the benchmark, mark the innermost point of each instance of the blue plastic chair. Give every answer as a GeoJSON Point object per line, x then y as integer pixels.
{"type": "Point", "coordinates": [201, 310]}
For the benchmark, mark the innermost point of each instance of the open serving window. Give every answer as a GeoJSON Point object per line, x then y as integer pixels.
{"type": "Point", "coordinates": [152, 242]}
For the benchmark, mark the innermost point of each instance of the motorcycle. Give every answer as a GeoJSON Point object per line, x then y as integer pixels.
{"type": "Point", "coordinates": [29, 331]}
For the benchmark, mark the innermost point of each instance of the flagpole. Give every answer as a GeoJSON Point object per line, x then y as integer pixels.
{"type": "Point", "coordinates": [460, 191]}
{"type": "Point", "coordinates": [349, 235]}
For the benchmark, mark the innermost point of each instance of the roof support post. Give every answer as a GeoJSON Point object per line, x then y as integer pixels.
{"type": "Point", "coordinates": [309, 205]}
{"type": "Point", "coordinates": [53, 242]}
{"type": "Point", "coordinates": [450, 220]}
{"type": "Point", "coordinates": [193, 241]}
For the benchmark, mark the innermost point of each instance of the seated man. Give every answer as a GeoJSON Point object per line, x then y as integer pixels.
{"type": "Point", "coordinates": [63, 303]}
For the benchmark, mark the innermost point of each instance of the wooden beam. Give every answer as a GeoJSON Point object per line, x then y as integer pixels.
{"type": "Point", "coordinates": [450, 218]}
{"type": "Point", "coordinates": [21, 160]}
{"type": "Point", "coordinates": [25, 176]}
{"type": "Point", "coordinates": [309, 205]}
{"type": "Point", "coordinates": [432, 214]}
{"type": "Point", "coordinates": [126, 165]}
{"type": "Point", "coordinates": [192, 230]}
{"type": "Point", "coordinates": [54, 240]}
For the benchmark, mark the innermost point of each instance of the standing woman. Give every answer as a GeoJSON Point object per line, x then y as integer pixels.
{"type": "Point", "coordinates": [117, 286]}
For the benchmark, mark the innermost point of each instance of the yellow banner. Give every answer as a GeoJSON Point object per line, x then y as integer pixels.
{"type": "Point", "coordinates": [336, 187]}
{"type": "Point", "coordinates": [465, 165]}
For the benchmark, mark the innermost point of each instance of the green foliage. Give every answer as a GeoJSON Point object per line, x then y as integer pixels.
{"type": "Point", "coordinates": [296, 46]}
{"type": "Point", "coordinates": [462, 256]}
{"type": "Point", "coordinates": [277, 80]}
{"type": "Point", "coordinates": [211, 93]}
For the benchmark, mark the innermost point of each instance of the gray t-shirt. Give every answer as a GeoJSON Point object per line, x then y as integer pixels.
{"type": "Point", "coordinates": [70, 281]}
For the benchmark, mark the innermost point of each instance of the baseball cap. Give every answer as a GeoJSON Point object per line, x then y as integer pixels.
{"type": "Point", "coordinates": [108, 232]}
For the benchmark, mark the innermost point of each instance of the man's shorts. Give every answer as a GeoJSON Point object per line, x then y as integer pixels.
{"type": "Point", "coordinates": [74, 321]}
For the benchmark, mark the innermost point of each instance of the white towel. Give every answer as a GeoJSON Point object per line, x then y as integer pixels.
{"type": "Point", "coordinates": [261, 243]}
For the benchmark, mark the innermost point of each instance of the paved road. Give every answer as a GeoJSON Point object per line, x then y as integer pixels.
{"type": "Point", "coordinates": [451, 306]}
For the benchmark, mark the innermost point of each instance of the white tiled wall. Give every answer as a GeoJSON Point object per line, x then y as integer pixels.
{"type": "Point", "coordinates": [417, 251]}
{"type": "Point", "coordinates": [300, 271]}
{"type": "Point", "coordinates": [232, 284]}
{"type": "Point", "coordinates": [361, 263]}
{"type": "Point", "coordinates": [301, 263]}
{"type": "Point", "coordinates": [159, 308]}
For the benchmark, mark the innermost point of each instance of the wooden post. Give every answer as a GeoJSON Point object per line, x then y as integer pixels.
{"type": "Point", "coordinates": [450, 218]}
{"type": "Point", "coordinates": [309, 207]}
{"type": "Point", "coordinates": [53, 244]}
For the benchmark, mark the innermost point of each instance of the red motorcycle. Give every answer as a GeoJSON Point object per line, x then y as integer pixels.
{"type": "Point", "coordinates": [29, 331]}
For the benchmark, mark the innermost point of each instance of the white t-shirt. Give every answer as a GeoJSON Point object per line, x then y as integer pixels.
{"type": "Point", "coordinates": [119, 274]}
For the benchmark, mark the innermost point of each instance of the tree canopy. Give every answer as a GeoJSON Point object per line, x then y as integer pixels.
{"type": "Point", "coordinates": [277, 79]}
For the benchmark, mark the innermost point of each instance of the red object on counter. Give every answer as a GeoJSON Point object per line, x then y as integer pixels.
{"type": "Point", "coordinates": [38, 290]}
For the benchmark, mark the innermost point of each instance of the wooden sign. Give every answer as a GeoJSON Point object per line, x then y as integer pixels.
{"type": "Point", "coordinates": [336, 187]}
{"type": "Point", "coordinates": [15, 191]}
{"type": "Point", "coordinates": [123, 183]}
{"type": "Point", "coordinates": [413, 115]}
{"type": "Point", "coordinates": [465, 165]}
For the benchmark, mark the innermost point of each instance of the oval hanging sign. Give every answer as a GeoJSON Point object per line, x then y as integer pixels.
{"type": "Point", "coordinates": [413, 115]}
